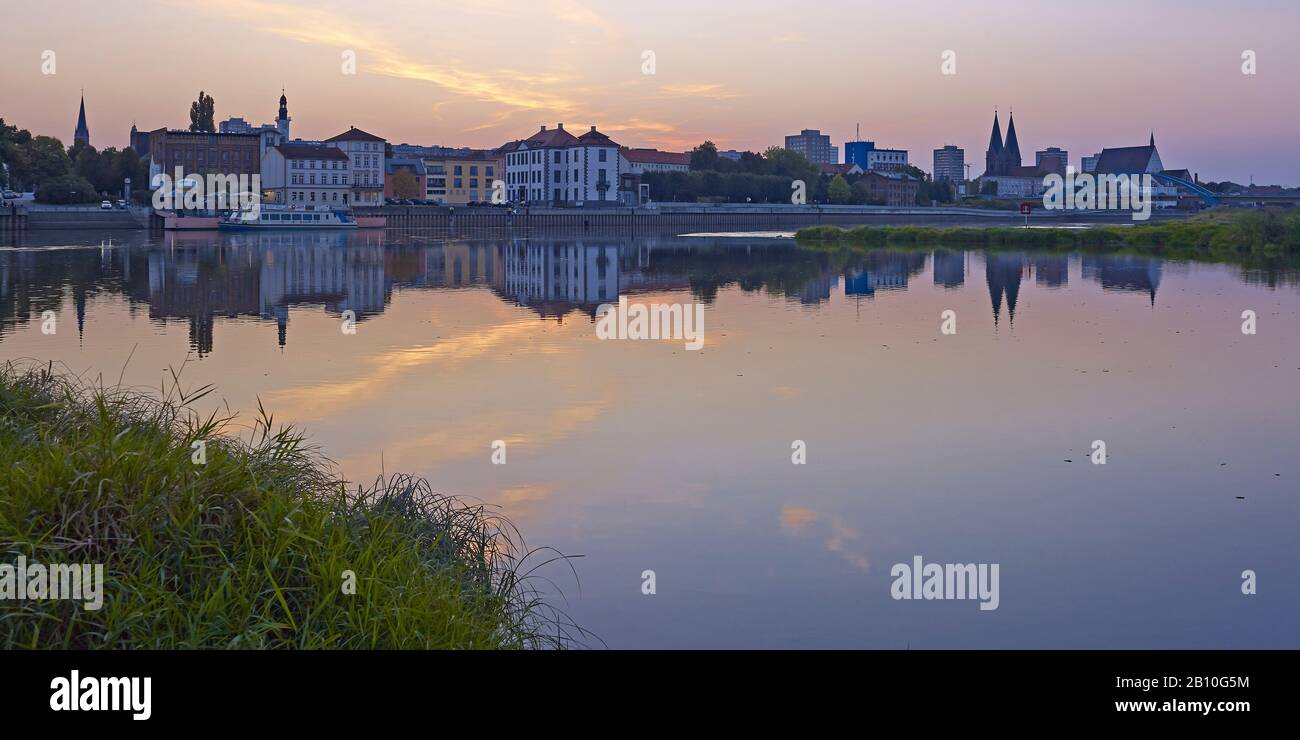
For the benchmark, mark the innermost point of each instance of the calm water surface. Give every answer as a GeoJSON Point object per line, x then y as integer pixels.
{"type": "Point", "coordinates": [644, 456]}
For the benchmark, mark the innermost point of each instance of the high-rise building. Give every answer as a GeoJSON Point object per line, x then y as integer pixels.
{"type": "Point", "coordinates": [950, 164]}
{"type": "Point", "coordinates": [1052, 159]}
{"type": "Point", "coordinates": [814, 145]}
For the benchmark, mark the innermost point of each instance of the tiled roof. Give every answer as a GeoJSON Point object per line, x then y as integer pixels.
{"type": "Point", "coordinates": [596, 138]}
{"type": "Point", "coordinates": [354, 134]}
{"type": "Point", "coordinates": [307, 151]}
{"type": "Point", "coordinates": [654, 156]}
{"type": "Point", "coordinates": [554, 137]}
{"type": "Point", "coordinates": [1124, 160]}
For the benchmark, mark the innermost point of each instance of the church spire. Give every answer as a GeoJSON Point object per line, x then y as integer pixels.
{"type": "Point", "coordinates": [995, 138]}
{"type": "Point", "coordinates": [1153, 137]}
{"type": "Point", "coordinates": [1013, 144]}
{"type": "Point", "coordinates": [82, 135]}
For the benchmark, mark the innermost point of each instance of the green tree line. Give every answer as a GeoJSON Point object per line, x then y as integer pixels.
{"type": "Point", "coordinates": [79, 174]}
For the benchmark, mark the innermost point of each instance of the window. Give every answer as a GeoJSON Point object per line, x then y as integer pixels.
{"type": "Point", "coordinates": [458, 170]}
{"type": "Point", "coordinates": [488, 170]}
{"type": "Point", "coordinates": [603, 153]}
{"type": "Point", "coordinates": [557, 160]}
{"type": "Point", "coordinates": [473, 170]}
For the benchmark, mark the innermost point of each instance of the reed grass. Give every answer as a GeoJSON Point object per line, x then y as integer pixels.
{"type": "Point", "coordinates": [250, 549]}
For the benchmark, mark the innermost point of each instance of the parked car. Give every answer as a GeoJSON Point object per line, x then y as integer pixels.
{"type": "Point", "coordinates": [10, 195]}
{"type": "Point", "coordinates": [106, 205]}
{"type": "Point", "coordinates": [121, 204]}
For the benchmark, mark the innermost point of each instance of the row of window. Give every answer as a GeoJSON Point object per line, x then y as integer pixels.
{"type": "Point", "coordinates": [311, 164]}
{"type": "Point", "coordinates": [311, 179]}
{"type": "Point", "coordinates": [561, 156]}
{"type": "Point", "coordinates": [297, 196]}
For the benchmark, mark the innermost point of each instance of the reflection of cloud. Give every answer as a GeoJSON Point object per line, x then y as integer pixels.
{"type": "Point", "coordinates": [795, 518]}
{"type": "Point", "coordinates": [323, 399]}
{"type": "Point", "coordinates": [786, 391]}
{"type": "Point", "coordinates": [843, 540]}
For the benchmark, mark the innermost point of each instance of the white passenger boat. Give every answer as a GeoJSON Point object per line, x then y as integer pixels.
{"type": "Point", "coordinates": [288, 217]}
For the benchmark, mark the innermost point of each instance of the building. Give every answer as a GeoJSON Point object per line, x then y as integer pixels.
{"type": "Point", "coordinates": [305, 175]}
{"type": "Point", "coordinates": [272, 134]}
{"type": "Point", "coordinates": [1004, 175]}
{"type": "Point", "coordinates": [365, 165]}
{"type": "Point", "coordinates": [731, 154]}
{"type": "Point", "coordinates": [1136, 161]}
{"type": "Point", "coordinates": [633, 163]}
{"type": "Point", "coordinates": [846, 169]}
{"type": "Point", "coordinates": [418, 173]}
{"type": "Point", "coordinates": [203, 153]}
{"type": "Point", "coordinates": [82, 134]}
{"type": "Point", "coordinates": [139, 141]}
{"type": "Point", "coordinates": [814, 145]}
{"type": "Point", "coordinates": [949, 164]}
{"type": "Point", "coordinates": [555, 166]}
{"type": "Point", "coordinates": [459, 179]}
{"type": "Point", "coordinates": [868, 156]}
{"type": "Point", "coordinates": [1089, 164]}
{"type": "Point", "coordinates": [889, 188]}
{"type": "Point", "coordinates": [1052, 159]}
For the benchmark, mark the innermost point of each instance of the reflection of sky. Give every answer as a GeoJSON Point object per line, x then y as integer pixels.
{"type": "Point", "coordinates": [641, 455]}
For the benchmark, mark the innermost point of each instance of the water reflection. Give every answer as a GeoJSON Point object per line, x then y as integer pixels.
{"type": "Point", "coordinates": [200, 279]}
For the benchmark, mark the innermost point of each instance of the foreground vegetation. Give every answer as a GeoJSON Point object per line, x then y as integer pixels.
{"type": "Point", "coordinates": [251, 549]}
{"type": "Point", "coordinates": [1221, 235]}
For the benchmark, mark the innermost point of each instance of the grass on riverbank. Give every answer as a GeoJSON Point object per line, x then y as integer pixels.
{"type": "Point", "coordinates": [1228, 235]}
{"type": "Point", "coordinates": [249, 550]}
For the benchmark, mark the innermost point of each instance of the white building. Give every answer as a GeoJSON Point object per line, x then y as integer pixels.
{"type": "Point", "coordinates": [555, 166]}
{"type": "Point", "coordinates": [641, 161]}
{"type": "Point", "coordinates": [304, 174]}
{"type": "Point", "coordinates": [272, 134]}
{"type": "Point", "coordinates": [365, 154]}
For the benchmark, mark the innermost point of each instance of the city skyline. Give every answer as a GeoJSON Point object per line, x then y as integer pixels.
{"type": "Point", "coordinates": [742, 79]}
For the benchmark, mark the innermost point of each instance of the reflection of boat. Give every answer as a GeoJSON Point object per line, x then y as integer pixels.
{"type": "Point", "coordinates": [282, 217]}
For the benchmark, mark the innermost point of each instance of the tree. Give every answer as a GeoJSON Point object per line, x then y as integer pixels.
{"type": "Point", "coordinates": [67, 188]}
{"type": "Point", "coordinates": [839, 191]}
{"type": "Point", "coordinates": [202, 112]}
{"type": "Point", "coordinates": [43, 159]}
{"type": "Point", "coordinates": [405, 184]}
{"type": "Point", "coordinates": [705, 156]}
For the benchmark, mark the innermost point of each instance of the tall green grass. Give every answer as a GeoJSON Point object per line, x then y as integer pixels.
{"type": "Point", "coordinates": [1225, 235]}
{"type": "Point", "coordinates": [248, 550]}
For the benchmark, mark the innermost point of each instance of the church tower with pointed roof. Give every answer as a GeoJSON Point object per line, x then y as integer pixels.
{"type": "Point", "coordinates": [995, 147]}
{"type": "Point", "coordinates": [82, 135]}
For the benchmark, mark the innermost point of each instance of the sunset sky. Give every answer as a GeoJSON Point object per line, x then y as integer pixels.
{"type": "Point", "coordinates": [742, 74]}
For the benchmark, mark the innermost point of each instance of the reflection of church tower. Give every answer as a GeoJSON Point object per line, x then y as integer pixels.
{"type": "Point", "coordinates": [1003, 273]}
{"type": "Point", "coordinates": [82, 136]}
{"type": "Point", "coordinates": [79, 299]}
{"type": "Point", "coordinates": [1051, 270]}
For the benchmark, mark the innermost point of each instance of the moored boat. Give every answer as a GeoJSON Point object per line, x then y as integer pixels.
{"type": "Point", "coordinates": [288, 217]}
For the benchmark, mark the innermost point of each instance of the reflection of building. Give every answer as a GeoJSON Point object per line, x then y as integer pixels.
{"type": "Point", "coordinates": [882, 271]}
{"type": "Point", "coordinates": [1051, 270]}
{"type": "Point", "coordinates": [949, 268]}
{"type": "Point", "coordinates": [555, 276]}
{"type": "Point", "coordinates": [1136, 274]}
{"type": "Point", "coordinates": [1003, 272]}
